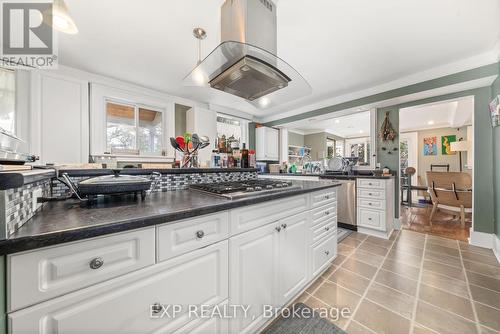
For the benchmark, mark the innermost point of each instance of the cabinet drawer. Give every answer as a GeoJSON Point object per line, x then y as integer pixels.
{"type": "Point", "coordinates": [324, 212]}
{"type": "Point", "coordinates": [371, 203]}
{"type": "Point", "coordinates": [46, 273]}
{"type": "Point", "coordinates": [326, 228]}
{"type": "Point", "coordinates": [212, 325]}
{"type": "Point", "coordinates": [252, 216]}
{"type": "Point", "coordinates": [371, 183]}
{"type": "Point", "coordinates": [371, 193]}
{"type": "Point", "coordinates": [323, 253]}
{"type": "Point", "coordinates": [323, 197]}
{"type": "Point", "coordinates": [124, 304]}
{"type": "Point", "coordinates": [371, 219]}
{"type": "Point", "coordinates": [190, 234]}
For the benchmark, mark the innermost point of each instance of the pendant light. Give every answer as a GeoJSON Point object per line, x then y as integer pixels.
{"type": "Point", "coordinates": [61, 20]}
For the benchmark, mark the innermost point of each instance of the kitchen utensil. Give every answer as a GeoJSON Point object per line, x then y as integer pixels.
{"type": "Point", "coordinates": [335, 164]}
{"type": "Point", "coordinates": [181, 142]}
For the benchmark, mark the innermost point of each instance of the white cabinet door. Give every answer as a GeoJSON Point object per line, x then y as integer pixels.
{"type": "Point", "coordinates": [60, 119]}
{"type": "Point", "coordinates": [293, 249]}
{"type": "Point", "coordinates": [267, 144]}
{"type": "Point", "coordinates": [123, 305]}
{"type": "Point", "coordinates": [252, 275]}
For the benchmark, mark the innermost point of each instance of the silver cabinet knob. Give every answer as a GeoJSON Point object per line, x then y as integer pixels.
{"type": "Point", "coordinates": [370, 194]}
{"type": "Point", "coordinates": [156, 308]}
{"type": "Point", "coordinates": [200, 234]}
{"type": "Point", "coordinates": [96, 263]}
{"type": "Point", "coordinates": [370, 183]}
{"type": "Point", "coordinates": [284, 225]}
{"type": "Point", "coordinates": [327, 228]}
{"type": "Point", "coordinates": [278, 228]}
{"type": "Point", "coordinates": [327, 253]}
{"type": "Point", "coordinates": [369, 219]}
{"type": "Point", "coordinates": [327, 213]}
{"type": "Point", "coordinates": [369, 203]}
{"type": "Point", "coordinates": [327, 196]}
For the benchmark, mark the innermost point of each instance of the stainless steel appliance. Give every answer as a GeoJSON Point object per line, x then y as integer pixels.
{"type": "Point", "coordinates": [346, 204]}
{"type": "Point", "coordinates": [13, 150]}
{"type": "Point", "coordinates": [244, 189]}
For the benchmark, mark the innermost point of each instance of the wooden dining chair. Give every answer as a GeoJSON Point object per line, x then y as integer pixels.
{"type": "Point", "coordinates": [450, 191]}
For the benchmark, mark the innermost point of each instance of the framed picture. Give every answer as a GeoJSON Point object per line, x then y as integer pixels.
{"type": "Point", "coordinates": [446, 144]}
{"type": "Point", "coordinates": [430, 146]}
{"type": "Point", "coordinates": [495, 111]}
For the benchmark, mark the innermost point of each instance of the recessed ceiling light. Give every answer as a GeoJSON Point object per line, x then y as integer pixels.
{"type": "Point", "coordinates": [361, 131]}
{"type": "Point", "coordinates": [264, 101]}
{"type": "Point", "coordinates": [337, 121]}
{"type": "Point", "coordinates": [430, 123]}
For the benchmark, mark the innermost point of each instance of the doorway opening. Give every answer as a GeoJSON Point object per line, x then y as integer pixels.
{"type": "Point", "coordinates": [436, 164]}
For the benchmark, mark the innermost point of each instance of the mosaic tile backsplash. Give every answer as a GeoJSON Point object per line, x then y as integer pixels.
{"type": "Point", "coordinates": [16, 205]}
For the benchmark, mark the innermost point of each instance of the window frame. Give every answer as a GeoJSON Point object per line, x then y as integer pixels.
{"type": "Point", "coordinates": [243, 124]}
{"type": "Point", "coordinates": [136, 107]}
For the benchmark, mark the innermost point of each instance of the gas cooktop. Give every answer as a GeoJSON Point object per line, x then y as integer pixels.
{"type": "Point", "coordinates": [242, 189]}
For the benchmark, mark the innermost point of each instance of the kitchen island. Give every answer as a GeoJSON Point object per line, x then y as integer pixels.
{"type": "Point", "coordinates": [118, 265]}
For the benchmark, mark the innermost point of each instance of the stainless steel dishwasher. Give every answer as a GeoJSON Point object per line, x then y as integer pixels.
{"type": "Point", "coordinates": [346, 204]}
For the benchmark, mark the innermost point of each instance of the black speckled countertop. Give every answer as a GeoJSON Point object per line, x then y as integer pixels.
{"type": "Point", "coordinates": [331, 176]}
{"type": "Point", "coordinates": [60, 222]}
{"type": "Point", "coordinates": [9, 180]}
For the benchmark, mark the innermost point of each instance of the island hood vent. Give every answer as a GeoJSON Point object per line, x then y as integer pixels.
{"type": "Point", "coordinates": [245, 63]}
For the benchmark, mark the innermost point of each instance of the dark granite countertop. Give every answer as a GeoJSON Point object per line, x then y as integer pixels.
{"type": "Point", "coordinates": [60, 222]}
{"type": "Point", "coordinates": [146, 171]}
{"type": "Point", "coordinates": [9, 180]}
{"type": "Point", "coordinates": [330, 177]}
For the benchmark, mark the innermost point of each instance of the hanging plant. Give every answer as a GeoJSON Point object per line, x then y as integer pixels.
{"type": "Point", "coordinates": [387, 132]}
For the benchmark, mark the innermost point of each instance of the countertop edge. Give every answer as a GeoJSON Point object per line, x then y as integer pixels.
{"type": "Point", "coordinates": [21, 244]}
{"type": "Point", "coordinates": [10, 180]}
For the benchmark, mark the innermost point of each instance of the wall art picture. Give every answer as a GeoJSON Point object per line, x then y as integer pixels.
{"type": "Point", "coordinates": [430, 146]}
{"type": "Point", "coordinates": [446, 144]}
{"type": "Point", "coordinates": [495, 111]}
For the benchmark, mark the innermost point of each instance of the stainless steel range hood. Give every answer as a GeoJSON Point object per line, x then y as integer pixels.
{"type": "Point", "coordinates": [245, 63]}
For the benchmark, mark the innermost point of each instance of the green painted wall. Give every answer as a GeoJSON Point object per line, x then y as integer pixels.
{"type": "Point", "coordinates": [495, 91]}
{"type": "Point", "coordinates": [251, 136]}
{"type": "Point", "coordinates": [295, 139]}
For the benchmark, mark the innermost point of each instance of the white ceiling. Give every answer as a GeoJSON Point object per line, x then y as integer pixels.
{"type": "Point", "coordinates": [339, 46]}
{"type": "Point", "coordinates": [348, 126]}
{"type": "Point", "coordinates": [449, 114]}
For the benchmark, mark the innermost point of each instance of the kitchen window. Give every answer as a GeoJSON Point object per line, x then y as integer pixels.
{"type": "Point", "coordinates": [233, 129]}
{"type": "Point", "coordinates": [130, 127]}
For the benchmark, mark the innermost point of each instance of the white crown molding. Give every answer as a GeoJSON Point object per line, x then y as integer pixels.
{"type": "Point", "coordinates": [433, 73]}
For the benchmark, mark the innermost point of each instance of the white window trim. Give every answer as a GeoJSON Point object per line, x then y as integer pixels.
{"type": "Point", "coordinates": [243, 123]}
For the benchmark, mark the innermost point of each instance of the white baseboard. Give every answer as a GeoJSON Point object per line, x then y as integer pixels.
{"type": "Point", "coordinates": [481, 239]}
{"type": "Point", "coordinates": [496, 247]}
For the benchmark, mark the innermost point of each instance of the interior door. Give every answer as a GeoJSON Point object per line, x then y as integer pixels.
{"type": "Point", "coordinates": [293, 249]}
{"type": "Point", "coordinates": [252, 275]}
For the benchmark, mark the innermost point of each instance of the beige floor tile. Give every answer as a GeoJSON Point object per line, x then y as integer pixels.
{"type": "Point", "coordinates": [397, 282]}
{"type": "Point", "coordinates": [339, 259]}
{"type": "Point", "coordinates": [485, 296]}
{"type": "Point", "coordinates": [445, 283]}
{"type": "Point", "coordinates": [401, 268]}
{"type": "Point", "coordinates": [335, 295]}
{"type": "Point", "coordinates": [301, 299]}
{"type": "Point", "coordinates": [381, 320]}
{"type": "Point", "coordinates": [349, 280]}
{"type": "Point", "coordinates": [360, 268]}
{"type": "Point", "coordinates": [394, 235]}
{"type": "Point", "coordinates": [466, 247]}
{"type": "Point", "coordinates": [404, 258]}
{"type": "Point", "coordinates": [353, 242]}
{"type": "Point", "coordinates": [442, 258]}
{"type": "Point", "coordinates": [357, 236]}
{"type": "Point", "coordinates": [379, 241]}
{"type": "Point", "coordinates": [444, 269]}
{"type": "Point", "coordinates": [371, 248]}
{"type": "Point", "coordinates": [447, 301]}
{"type": "Point", "coordinates": [315, 285]}
{"type": "Point", "coordinates": [411, 235]}
{"type": "Point", "coordinates": [483, 281]}
{"type": "Point", "coordinates": [344, 249]}
{"type": "Point", "coordinates": [366, 257]}
{"type": "Point", "coordinates": [443, 250]}
{"type": "Point", "coordinates": [417, 243]}
{"type": "Point", "coordinates": [391, 299]}
{"type": "Point", "coordinates": [483, 269]}
{"type": "Point", "coordinates": [319, 306]}
{"type": "Point", "coordinates": [488, 316]}
{"type": "Point", "coordinates": [480, 258]}
{"type": "Point", "coordinates": [356, 328]}
{"type": "Point", "coordinates": [419, 329]}
{"type": "Point", "coordinates": [486, 330]}
{"type": "Point", "coordinates": [405, 248]}
{"type": "Point", "coordinates": [444, 242]}
{"type": "Point", "coordinates": [329, 271]}
{"type": "Point", "coordinates": [442, 321]}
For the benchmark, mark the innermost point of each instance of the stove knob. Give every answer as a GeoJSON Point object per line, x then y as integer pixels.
{"type": "Point", "coordinates": [278, 185]}
{"type": "Point", "coordinates": [250, 189]}
{"type": "Point", "coordinates": [269, 186]}
{"type": "Point", "coordinates": [257, 188]}
{"type": "Point", "coordinates": [284, 184]}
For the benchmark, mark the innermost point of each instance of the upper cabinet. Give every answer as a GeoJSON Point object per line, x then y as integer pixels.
{"type": "Point", "coordinates": [59, 118]}
{"type": "Point", "coordinates": [267, 144]}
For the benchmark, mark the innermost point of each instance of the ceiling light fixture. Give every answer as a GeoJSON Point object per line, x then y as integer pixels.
{"type": "Point", "coordinates": [200, 34]}
{"type": "Point", "coordinates": [264, 102]}
{"type": "Point", "coordinates": [430, 123]}
{"type": "Point", "coordinates": [60, 18]}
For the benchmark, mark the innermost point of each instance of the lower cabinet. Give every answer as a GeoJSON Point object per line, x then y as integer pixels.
{"type": "Point", "coordinates": [323, 253]}
{"type": "Point", "coordinates": [268, 266]}
{"type": "Point", "coordinates": [124, 304]}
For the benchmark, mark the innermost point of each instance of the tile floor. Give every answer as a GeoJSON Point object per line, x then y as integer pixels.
{"type": "Point", "coordinates": [413, 283]}
{"type": "Point", "coordinates": [445, 224]}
